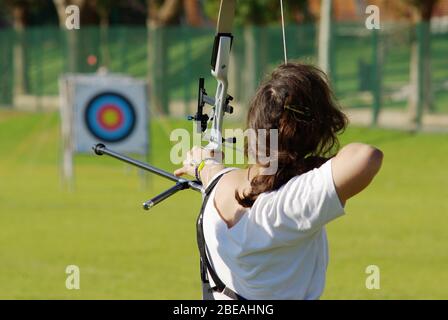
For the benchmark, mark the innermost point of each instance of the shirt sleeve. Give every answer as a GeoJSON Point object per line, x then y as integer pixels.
{"type": "Point", "coordinates": [304, 204]}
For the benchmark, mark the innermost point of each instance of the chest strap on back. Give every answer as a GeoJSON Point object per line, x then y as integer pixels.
{"type": "Point", "coordinates": [204, 261]}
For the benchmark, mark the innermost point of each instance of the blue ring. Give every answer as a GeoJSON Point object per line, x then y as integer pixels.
{"type": "Point", "coordinates": [91, 115]}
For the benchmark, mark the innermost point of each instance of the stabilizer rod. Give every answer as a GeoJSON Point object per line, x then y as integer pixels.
{"type": "Point", "coordinates": [164, 195]}
{"type": "Point", "coordinates": [181, 184]}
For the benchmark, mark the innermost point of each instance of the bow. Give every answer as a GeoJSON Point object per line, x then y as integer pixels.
{"type": "Point", "coordinates": [220, 105]}
{"type": "Point", "coordinates": [220, 66]}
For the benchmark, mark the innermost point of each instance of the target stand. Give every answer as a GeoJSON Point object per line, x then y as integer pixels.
{"type": "Point", "coordinates": [106, 108]}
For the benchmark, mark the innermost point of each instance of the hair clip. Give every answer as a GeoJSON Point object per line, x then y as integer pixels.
{"type": "Point", "coordinates": [306, 113]}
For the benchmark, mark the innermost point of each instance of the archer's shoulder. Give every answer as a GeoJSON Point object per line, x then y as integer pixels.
{"type": "Point", "coordinates": [234, 177]}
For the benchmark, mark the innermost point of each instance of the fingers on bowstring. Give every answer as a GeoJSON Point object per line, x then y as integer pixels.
{"type": "Point", "coordinates": [180, 172]}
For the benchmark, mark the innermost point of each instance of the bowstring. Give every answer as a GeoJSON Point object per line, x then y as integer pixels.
{"type": "Point", "coordinates": [283, 31]}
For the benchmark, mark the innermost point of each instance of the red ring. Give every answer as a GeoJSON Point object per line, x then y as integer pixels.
{"type": "Point", "coordinates": [101, 114]}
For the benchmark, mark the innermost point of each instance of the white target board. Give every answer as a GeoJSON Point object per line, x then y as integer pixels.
{"type": "Point", "coordinates": [109, 109]}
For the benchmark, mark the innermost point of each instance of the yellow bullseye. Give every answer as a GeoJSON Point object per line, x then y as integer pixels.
{"type": "Point", "coordinates": [110, 117]}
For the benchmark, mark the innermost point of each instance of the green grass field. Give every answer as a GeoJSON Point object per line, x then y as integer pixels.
{"type": "Point", "coordinates": [400, 223]}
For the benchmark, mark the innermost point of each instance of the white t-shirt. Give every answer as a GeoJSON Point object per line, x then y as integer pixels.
{"type": "Point", "coordinates": [278, 249]}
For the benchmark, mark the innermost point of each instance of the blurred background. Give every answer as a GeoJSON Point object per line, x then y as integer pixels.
{"type": "Point", "coordinates": [392, 82]}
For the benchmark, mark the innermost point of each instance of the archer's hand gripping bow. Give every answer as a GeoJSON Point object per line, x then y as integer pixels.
{"type": "Point", "coordinates": [220, 106]}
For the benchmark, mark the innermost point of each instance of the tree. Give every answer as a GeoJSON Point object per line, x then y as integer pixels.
{"type": "Point", "coordinates": [160, 14]}
{"type": "Point", "coordinates": [71, 35]}
{"type": "Point", "coordinates": [420, 65]}
{"type": "Point", "coordinates": [103, 9]}
{"type": "Point", "coordinates": [163, 13]}
{"type": "Point", "coordinates": [193, 12]}
{"type": "Point", "coordinates": [263, 12]}
{"type": "Point", "coordinates": [325, 39]}
{"type": "Point", "coordinates": [421, 92]}
{"type": "Point", "coordinates": [19, 9]}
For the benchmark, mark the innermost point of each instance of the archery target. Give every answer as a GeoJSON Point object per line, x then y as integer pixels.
{"type": "Point", "coordinates": [109, 109]}
{"type": "Point", "coordinates": [110, 117]}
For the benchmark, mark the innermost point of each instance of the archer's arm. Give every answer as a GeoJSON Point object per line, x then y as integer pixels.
{"type": "Point", "coordinates": [354, 168]}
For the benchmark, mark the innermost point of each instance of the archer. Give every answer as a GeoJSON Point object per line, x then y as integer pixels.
{"type": "Point", "coordinates": [262, 236]}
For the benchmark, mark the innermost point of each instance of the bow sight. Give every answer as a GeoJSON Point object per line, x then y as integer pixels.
{"type": "Point", "coordinates": [202, 118]}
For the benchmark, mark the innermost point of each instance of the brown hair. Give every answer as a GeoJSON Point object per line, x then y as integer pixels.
{"type": "Point", "coordinates": [298, 102]}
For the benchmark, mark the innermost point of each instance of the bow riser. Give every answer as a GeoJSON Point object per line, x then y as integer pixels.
{"type": "Point", "coordinates": [220, 61]}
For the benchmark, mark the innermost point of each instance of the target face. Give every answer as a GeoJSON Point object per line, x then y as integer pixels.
{"type": "Point", "coordinates": [110, 117]}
